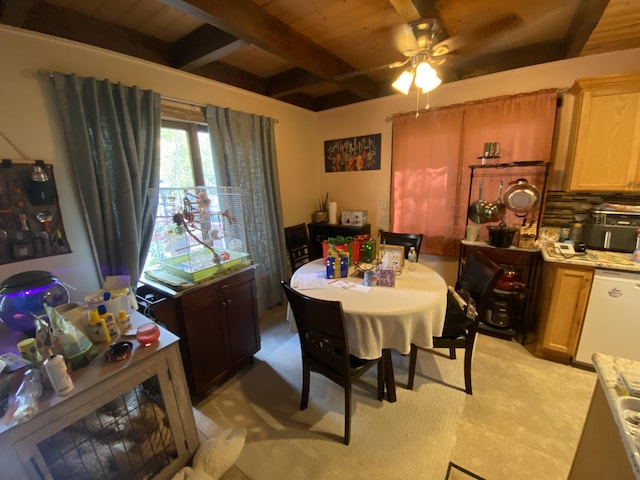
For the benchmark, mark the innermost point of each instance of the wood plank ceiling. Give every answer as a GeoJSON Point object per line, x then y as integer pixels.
{"type": "Point", "coordinates": [320, 54]}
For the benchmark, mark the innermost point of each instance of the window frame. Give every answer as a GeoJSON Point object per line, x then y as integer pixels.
{"type": "Point", "coordinates": [192, 129]}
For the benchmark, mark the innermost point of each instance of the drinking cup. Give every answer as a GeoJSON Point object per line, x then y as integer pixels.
{"type": "Point", "coordinates": [473, 232]}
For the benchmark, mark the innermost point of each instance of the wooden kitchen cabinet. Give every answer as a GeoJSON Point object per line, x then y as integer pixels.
{"type": "Point", "coordinates": [562, 302]}
{"type": "Point", "coordinates": [604, 146]}
{"type": "Point", "coordinates": [217, 323]}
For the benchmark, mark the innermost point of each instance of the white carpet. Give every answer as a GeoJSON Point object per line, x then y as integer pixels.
{"type": "Point", "coordinates": [285, 442]}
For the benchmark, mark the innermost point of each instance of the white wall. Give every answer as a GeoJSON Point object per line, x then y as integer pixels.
{"type": "Point", "coordinates": [29, 120]}
{"type": "Point", "coordinates": [370, 189]}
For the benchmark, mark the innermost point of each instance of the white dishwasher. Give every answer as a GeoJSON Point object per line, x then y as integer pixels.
{"type": "Point", "coordinates": [612, 322]}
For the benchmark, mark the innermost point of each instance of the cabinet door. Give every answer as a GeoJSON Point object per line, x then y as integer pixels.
{"type": "Point", "coordinates": [605, 144]}
{"type": "Point", "coordinates": [569, 291]}
{"type": "Point", "coordinates": [205, 327]}
{"type": "Point", "coordinates": [242, 320]}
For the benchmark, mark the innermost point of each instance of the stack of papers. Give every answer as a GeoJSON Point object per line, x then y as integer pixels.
{"type": "Point", "coordinates": [309, 281]}
{"type": "Point", "coordinates": [631, 382]}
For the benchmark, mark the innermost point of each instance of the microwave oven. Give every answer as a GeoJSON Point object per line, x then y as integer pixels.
{"type": "Point", "coordinates": [608, 230]}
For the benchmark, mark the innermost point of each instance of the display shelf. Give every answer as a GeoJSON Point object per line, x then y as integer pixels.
{"type": "Point", "coordinates": [536, 173]}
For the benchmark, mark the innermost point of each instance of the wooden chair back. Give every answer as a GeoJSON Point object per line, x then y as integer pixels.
{"type": "Point", "coordinates": [407, 240]}
{"type": "Point", "coordinates": [297, 242]}
{"type": "Point", "coordinates": [323, 336]}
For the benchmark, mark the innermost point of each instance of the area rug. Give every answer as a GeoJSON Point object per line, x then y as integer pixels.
{"type": "Point", "coordinates": [411, 438]}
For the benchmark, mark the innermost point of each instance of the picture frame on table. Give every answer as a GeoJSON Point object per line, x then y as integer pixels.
{"type": "Point", "coordinates": [396, 252]}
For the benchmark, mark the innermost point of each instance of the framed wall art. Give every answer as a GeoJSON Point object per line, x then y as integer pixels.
{"type": "Point", "coordinates": [352, 154]}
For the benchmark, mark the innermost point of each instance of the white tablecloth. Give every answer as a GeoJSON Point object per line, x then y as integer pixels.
{"type": "Point", "coordinates": [384, 317]}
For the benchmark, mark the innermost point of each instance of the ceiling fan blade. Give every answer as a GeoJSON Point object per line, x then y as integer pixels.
{"type": "Point", "coordinates": [387, 66]}
{"type": "Point", "coordinates": [475, 39]}
{"type": "Point", "coordinates": [404, 39]}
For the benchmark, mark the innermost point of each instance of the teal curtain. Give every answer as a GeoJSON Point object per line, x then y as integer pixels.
{"type": "Point", "coordinates": [244, 155]}
{"type": "Point", "coordinates": [113, 134]}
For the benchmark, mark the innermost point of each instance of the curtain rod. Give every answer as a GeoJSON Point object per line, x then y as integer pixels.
{"type": "Point", "coordinates": [184, 102]}
{"type": "Point", "coordinates": [194, 104]}
{"type": "Point", "coordinates": [561, 92]}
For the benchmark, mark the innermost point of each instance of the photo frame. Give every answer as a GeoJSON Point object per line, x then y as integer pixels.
{"type": "Point", "coordinates": [396, 252]}
{"type": "Point", "coordinates": [352, 154]}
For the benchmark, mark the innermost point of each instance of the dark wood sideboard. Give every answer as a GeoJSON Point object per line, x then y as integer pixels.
{"type": "Point", "coordinates": [217, 322]}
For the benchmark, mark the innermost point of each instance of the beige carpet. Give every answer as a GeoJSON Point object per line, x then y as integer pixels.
{"type": "Point", "coordinates": [412, 438]}
{"type": "Point", "coordinates": [525, 416]}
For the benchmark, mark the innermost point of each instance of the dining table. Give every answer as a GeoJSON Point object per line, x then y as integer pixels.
{"type": "Point", "coordinates": [378, 318]}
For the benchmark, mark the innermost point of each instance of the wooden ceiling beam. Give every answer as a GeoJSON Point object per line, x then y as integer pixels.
{"type": "Point", "coordinates": [301, 100]}
{"type": "Point", "coordinates": [510, 59]}
{"type": "Point", "coordinates": [204, 45]}
{"type": "Point", "coordinates": [410, 10]}
{"type": "Point", "coordinates": [72, 25]}
{"type": "Point", "coordinates": [588, 14]}
{"type": "Point", "coordinates": [15, 12]}
{"type": "Point", "coordinates": [247, 21]}
{"type": "Point", "coordinates": [291, 81]}
{"type": "Point", "coordinates": [230, 75]}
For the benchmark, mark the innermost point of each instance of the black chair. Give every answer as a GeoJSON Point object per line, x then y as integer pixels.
{"type": "Point", "coordinates": [407, 240]}
{"type": "Point", "coordinates": [297, 241]}
{"type": "Point", "coordinates": [325, 349]}
{"type": "Point", "coordinates": [479, 277]}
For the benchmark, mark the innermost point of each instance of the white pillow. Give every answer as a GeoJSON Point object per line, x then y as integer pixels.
{"type": "Point", "coordinates": [219, 453]}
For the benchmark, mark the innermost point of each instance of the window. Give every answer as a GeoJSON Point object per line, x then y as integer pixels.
{"type": "Point", "coordinates": [185, 155]}
{"type": "Point", "coordinates": [185, 161]}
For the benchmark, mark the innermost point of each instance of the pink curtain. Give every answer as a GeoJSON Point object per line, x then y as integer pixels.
{"type": "Point", "coordinates": [426, 176]}
{"type": "Point", "coordinates": [431, 155]}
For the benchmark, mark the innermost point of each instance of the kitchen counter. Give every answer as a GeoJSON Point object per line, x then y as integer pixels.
{"type": "Point", "coordinates": [593, 258]}
{"type": "Point", "coordinates": [605, 449]}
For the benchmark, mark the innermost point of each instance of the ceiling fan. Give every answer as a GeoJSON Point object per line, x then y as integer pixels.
{"type": "Point", "coordinates": [420, 42]}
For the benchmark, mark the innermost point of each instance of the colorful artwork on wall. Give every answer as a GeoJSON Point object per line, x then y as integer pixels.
{"type": "Point", "coordinates": [352, 154]}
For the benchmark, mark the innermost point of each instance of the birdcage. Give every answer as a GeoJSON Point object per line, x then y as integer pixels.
{"type": "Point", "coordinates": [199, 232]}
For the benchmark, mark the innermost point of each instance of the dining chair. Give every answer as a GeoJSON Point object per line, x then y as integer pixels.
{"type": "Point", "coordinates": [325, 349]}
{"type": "Point", "coordinates": [407, 240]}
{"type": "Point", "coordinates": [297, 242]}
{"type": "Point", "coordinates": [477, 281]}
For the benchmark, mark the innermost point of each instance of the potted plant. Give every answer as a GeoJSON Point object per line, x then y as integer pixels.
{"type": "Point", "coordinates": [322, 214]}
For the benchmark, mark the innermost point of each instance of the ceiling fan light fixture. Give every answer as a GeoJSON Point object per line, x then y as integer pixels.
{"type": "Point", "coordinates": [403, 82]}
{"type": "Point", "coordinates": [426, 77]}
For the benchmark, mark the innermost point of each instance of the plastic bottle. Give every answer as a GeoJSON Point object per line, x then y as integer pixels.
{"type": "Point", "coordinates": [412, 257]}
{"type": "Point", "coordinates": [635, 256]}
{"type": "Point", "coordinates": [27, 396]}
{"type": "Point", "coordinates": [124, 322]}
{"type": "Point", "coordinates": [98, 331]}
{"type": "Point", "coordinates": [110, 320]}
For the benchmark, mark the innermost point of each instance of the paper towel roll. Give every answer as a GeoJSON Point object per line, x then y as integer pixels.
{"type": "Point", "coordinates": [333, 212]}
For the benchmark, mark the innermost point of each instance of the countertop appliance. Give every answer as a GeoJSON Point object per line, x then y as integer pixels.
{"type": "Point", "coordinates": [611, 324]}
{"type": "Point", "coordinates": [611, 230]}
